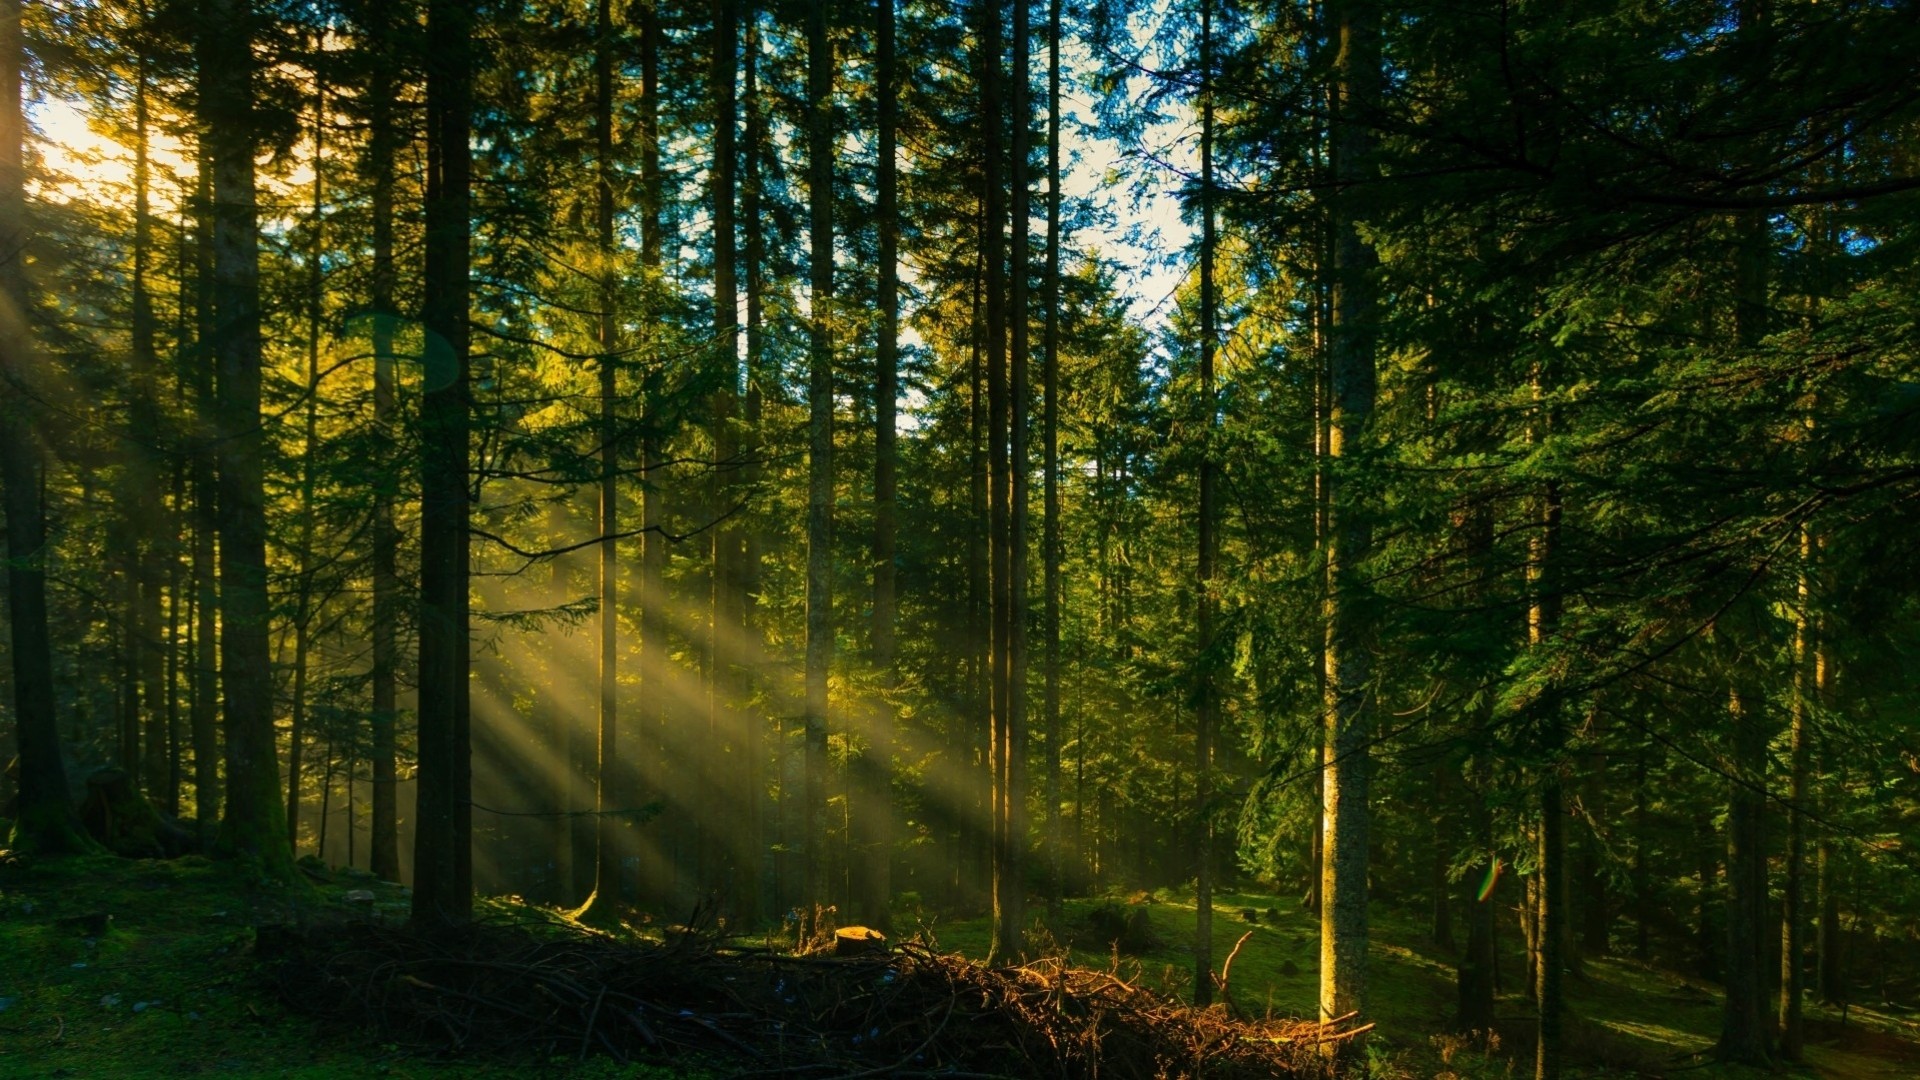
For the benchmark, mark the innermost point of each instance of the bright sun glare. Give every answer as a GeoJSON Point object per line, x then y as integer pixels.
{"type": "Point", "coordinates": [83, 165]}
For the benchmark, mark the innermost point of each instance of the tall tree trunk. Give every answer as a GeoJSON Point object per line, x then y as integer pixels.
{"type": "Point", "coordinates": [1343, 920]}
{"type": "Point", "coordinates": [1050, 481]}
{"type": "Point", "coordinates": [1019, 389]}
{"type": "Point", "coordinates": [753, 254]}
{"type": "Point", "coordinates": [382, 147]}
{"type": "Point", "coordinates": [1745, 1032]}
{"type": "Point", "coordinates": [1551, 924]}
{"type": "Point", "coordinates": [442, 852]}
{"type": "Point", "coordinates": [303, 599]}
{"type": "Point", "coordinates": [1205, 692]}
{"type": "Point", "coordinates": [653, 716]}
{"type": "Point", "coordinates": [973, 839]}
{"type": "Point", "coordinates": [1793, 920]}
{"type": "Point", "coordinates": [1006, 935]}
{"type": "Point", "coordinates": [146, 508]}
{"type": "Point", "coordinates": [1477, 974]}
{"type": "Point", "coordinates": [205, 677]}
{"type": "Point", "coordinates": [1596, 916]}
{"type": "Point", "coordinates": [819, 647]}
{"type": "Point", "coordinates": [1745, 1019]}
{"type": "Point", "coordinates": [726, 627]}
{"type": "Point", "coordinates": [254, 823]}
{"type": "Point", "coordinates": [46, 821]}
{"type": "Point", "coordinates": [608, 826]}
{"type": "Point", "coordinates": [170, 679]}
{"type": "Point", "coordinates": [873, 781]}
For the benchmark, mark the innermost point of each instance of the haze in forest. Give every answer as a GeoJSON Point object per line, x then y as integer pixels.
{"type": "Point", "coordinates": [808, 465]}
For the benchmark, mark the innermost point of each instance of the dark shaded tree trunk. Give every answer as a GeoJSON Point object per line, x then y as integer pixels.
{"type": "Point", "coordinates": [310, 448]}
{"type": "Point", "coordinates": [205, 677]}
{"type": "Point", "coordinates": [46, 821]}
{"type": "Point", "coordinates": [1793, 920]}
{"type": "Point", "coordinates": [1050, 482]}
{"type": "Point", "coordinates": [254, 822]}
{"type": "Point", "coordinates": [442, 852]}
{"type": "Point", "coordinates": [1745, 1021]}
{"type": "Point", "coordinates": [382, 147]}
{"type": "Point", "coordinates": [1551, 924]}
{"type": "Point", "coordinates": [1477, 976]}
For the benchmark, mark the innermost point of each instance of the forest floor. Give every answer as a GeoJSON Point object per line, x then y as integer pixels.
{"type": "Point", "coordinates": [116, 968]}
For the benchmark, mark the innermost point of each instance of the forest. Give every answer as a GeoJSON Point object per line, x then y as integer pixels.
{"type": "Point", "coordinates": [620, 502]}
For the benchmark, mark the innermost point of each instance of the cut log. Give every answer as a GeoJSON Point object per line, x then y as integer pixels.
{"type": "Point", "coordinates": [858, 941]}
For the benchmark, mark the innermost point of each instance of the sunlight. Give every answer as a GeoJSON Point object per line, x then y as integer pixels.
{"type": "Point", "coordinates": [83, 165]}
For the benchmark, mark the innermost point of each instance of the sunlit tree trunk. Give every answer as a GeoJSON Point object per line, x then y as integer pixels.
{"type": "Point", "coordinates": [46, 821]}
{"type": "Point", "coordinates": [872, 782]}
{"type": "Point", "coordinates": [1003, 885]}
{"type": "Point", "coordinates": [254, 822]}
{"type": "Point", "coordinates": [442, 855]}
{"type": "Point", "coordinates": [819, 646]}
{"type": "Point", "coordinates": [608, 826]}
{"type": "Point", "coordinates": [1205, 691]}
{"type": "Point", "coordinates": [1354, 25]}
{"type": "Point", "coordinates": [656, 768]}
{"type": "Point", "coordinates": [150, 534]}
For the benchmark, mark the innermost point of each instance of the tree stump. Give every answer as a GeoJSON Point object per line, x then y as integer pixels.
{"type": "Point", "coordinates": [858, 941]}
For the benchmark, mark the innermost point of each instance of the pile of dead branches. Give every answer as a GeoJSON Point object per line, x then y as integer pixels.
{"type": "Point", "coordinates": [505, 990]}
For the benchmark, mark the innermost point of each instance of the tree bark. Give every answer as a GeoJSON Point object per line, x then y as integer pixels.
{"type": "Point", "coordinates": [382, 147]}
{"type": "Point", "coordinates": [608, 798]}
{"type": "Point", "coordinates": [442, 881]}
{"type": "Point", "coordinates": [205, 679]}
{"type": "Point", "coordinates": [254, 824]}
{"type": "Point", "coordinates": [1050, 481]}
{"type": "Point", "coordinates": [872, 863]}
{"type": "Point", "coordinates": [819, 644]}
{"type": "Point", "coordinates": [1206, 717]}
{"type": "Point", "coordinates": [1745, 1020]}
{"type": "Point", "coordinates": [653, 718]}
{"type": "Point", "coordinates": [1354, 24]}
{"type": "Point", "coordinates": [1793, 919]}
{"type": "Point", "coordinates": [310, 422]}
{"type": "Point", "coordinates": [46, 821]}
{"type": "Point", "coordinates": [753, 254]}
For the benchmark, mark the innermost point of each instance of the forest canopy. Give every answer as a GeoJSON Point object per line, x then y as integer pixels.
{"type": "Point", "coordinates": [806, 459]}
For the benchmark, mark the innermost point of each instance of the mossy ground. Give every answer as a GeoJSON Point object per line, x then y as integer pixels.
{"type": "Point", "coordinates": [169, 986]}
